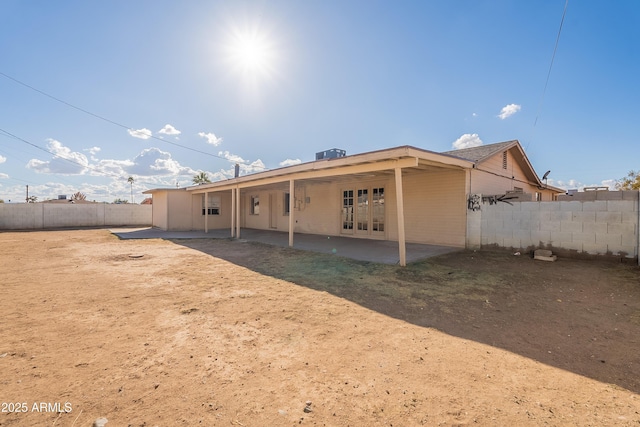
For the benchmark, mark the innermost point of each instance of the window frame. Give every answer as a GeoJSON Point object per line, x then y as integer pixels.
{"type": "Point", "coordinates": [254, 208]}
{"type": "Point", "coordinates": [213, 207]}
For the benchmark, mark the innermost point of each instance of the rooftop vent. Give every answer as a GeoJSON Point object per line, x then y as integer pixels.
{"type": "Point", "coordinates": [330, 154]}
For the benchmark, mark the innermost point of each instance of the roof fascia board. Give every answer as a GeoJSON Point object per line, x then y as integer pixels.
{"type": "Point", "coordinates": [406, 162]}
{"type": "Point", "coordinates": [340, 163]}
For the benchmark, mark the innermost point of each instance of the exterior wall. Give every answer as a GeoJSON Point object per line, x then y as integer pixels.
{"type": "Point", "coordinates": [600, 227]}
{"type": "Point", "coordinates": [179, 210]}
{"type": "Point", "coordinates": [28, 216]}
{"type": "Point", "coordinates": [160, 210]}
{"type": "Point", "coordinates": [490, 178]}
{"type": "Point", "coordinates": [435, 207]}
{"type": "Point", "coordinates": [318, 207]}
{"type": "Point", "coordinates": [213, 221]}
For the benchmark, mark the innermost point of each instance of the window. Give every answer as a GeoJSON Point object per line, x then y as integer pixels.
{"type": "Point", "coordinates": [255, 205]}
{"type": "Point", "coordinates": [518, 190]}
{"type": "Point", "coordinates": [538, 196]}
{"type": "Point", "coordinates": [213, 205]}
{"type": "Point", "coordinates": [347, 210]}
{"type": "Point", "coordinates": [377, 222]}
{"type": "Point", "coordinates": [504, 160]}
{"type": "Point", "coordinates": [363, 209]}
{"type": "Point", "coordinates": [287, 199]}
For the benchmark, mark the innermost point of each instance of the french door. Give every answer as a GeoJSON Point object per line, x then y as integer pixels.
{"type": "Point", "coordinates": [363, 211]}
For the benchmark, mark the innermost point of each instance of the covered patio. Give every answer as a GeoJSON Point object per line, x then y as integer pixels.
{"type": "Point", "coordinates": [380, 251]}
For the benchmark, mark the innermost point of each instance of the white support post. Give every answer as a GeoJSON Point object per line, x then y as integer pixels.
{"type": "Point", "coordinates": [206, 212]}
{"type": "Point", "coordinates": [402, 248]}
{"type": "Point", "coordinates": [233, 211]}
{"type": "Point", "coordinates": [238, 212]}
{"type": "Point", "coordinates": [291, 211]}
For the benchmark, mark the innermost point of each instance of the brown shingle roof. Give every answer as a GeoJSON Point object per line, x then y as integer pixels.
{"type": "Point", "coordinates": [478, 154]}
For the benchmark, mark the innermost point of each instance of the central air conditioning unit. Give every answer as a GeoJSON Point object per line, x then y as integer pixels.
{"type": "Point", "coordinates": [334, 153]}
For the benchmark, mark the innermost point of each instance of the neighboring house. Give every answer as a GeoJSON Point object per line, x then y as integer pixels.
{"type": "Point", "coordinates": [402, 194]}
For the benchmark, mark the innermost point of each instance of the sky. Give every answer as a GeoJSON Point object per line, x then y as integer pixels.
{"type": "Point", "coordinates": [92, 93]}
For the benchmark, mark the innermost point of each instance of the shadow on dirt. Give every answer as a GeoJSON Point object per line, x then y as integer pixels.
{"type": "Point", "coordinates": [580, 316]}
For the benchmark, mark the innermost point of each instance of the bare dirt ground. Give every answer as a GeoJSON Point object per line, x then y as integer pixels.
{"type": "Point", "coordinates": [224, 333]}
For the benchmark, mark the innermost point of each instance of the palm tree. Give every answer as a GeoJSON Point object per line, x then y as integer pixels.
{"type": "Point", "coordinates": [78, 197]}
{"type": "Point", "coordinates": [201, 178]}
{"type": "Point", "coordinates": [130, 181]}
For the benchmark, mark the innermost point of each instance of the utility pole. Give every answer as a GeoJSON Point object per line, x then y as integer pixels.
{"type": "Point", "coordinates": [27, 199]}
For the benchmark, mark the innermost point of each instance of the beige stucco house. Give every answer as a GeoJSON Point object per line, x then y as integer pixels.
{"type": "Point", "coordinates": [402, 194]}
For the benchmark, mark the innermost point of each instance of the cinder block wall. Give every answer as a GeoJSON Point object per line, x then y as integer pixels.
{"type": "Point", "coordinates": [598, 227]}
{"type": "Point", "coordinates": [29, 216]}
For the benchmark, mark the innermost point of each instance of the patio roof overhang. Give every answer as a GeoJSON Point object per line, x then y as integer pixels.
{"type": "Point", "coordinates": [376, 162]}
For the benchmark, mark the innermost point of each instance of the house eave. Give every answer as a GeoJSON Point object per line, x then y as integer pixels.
{"type": "Point", "coordinates": [406, 156]}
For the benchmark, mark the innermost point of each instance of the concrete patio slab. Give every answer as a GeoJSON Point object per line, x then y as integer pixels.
{"type": "Point", "coordinates": [381, 251]}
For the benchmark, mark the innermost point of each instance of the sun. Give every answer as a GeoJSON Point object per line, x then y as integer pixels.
{"type": "Point", "coordinates": [251, 53]}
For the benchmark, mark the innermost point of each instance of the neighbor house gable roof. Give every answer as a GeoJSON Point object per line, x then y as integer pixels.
{"type": "Point", "coordinates": [480, 154]}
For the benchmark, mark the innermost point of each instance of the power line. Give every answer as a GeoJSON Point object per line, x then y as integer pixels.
{"type": "Point", "coordinates": [56, 155]}
{"type": "Point", "coordinates": [113, 122]}
{"type": "Point", "coordinates": [553, 57]}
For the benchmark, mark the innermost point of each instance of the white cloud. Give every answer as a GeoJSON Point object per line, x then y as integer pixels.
{"type": "Point", "coordinates": [509, 110]}
{"type": "Point", "coordinates": [93, 150]}
{"type": "Point", "coordinates": [64, 161]}
{"type": "Point", "coordinates": [4, 175]}
{"type": "Point", "coordinates": [579, 185]}
{"type": "Point", "coordinates": [153, 161]}
{"type": "Point", "coordinates": [169, 130]}
{"type": "Point", "coordinates": [253, 167]}
{"type": "Point", "coordinates": [143, 133]}
{"type": "Point", "coordinates": [3, 159]}
{"type": "Point", "coordinates": [211, 138]}
{"type": "Point", "coordinates": [290, 162]}
{"type": "Point", "coordinates": [231, 157]}
{"type": "Point", "coordinates": [467, 140]}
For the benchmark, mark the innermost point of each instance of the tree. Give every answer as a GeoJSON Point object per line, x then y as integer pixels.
{"type": "Point", "coordinates": [629, 182]}
{"type": "Point", "coordinates": [130, 180]}
{"type": "Point", "coordinates": [201, 178]}
{"type": "Point", "coordinates": [120, 201]}
{"type": "Point", "coordinates": [1, 200]}
{"type": "Point", "coordinates": [78, 197]}
{"type": "Point", "coordinates": [32, 199]}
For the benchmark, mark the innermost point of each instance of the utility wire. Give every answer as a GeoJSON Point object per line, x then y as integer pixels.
{"type": "Point", "coordinates": [113, 122]}
{"type": "Point", "coordinates": [10, 135]}
{"type": "Point", "coordinates": [553, 57]}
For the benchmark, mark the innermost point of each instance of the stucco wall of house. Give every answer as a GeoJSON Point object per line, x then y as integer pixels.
{"type": "Point", "coordinates": [435, 207]}
{"type": "Point", "coordinates": [599, 227]}
{"type": "Point", "coordinates": [317, 208]}
{"type": "Point", "coordinates": [490, 178]}
{"type": "Point", "coordinates": [180, 210]}
{"type": "Point", "coordinates": [223, 220]}
{"type": "Point", "coordinates": [160, 210]}
{"type": "Point", "coordinates": [28, 216]}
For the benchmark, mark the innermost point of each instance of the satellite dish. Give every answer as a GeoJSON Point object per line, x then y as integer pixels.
{"type": "Point", "coordinates": [546, 174]}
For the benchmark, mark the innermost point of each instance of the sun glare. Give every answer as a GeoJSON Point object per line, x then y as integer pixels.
{"type": "Point", "coordinates": [252, 54]}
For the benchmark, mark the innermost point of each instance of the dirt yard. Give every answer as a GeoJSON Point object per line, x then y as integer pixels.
{"type": "Point", "coordinates": [226, 333]}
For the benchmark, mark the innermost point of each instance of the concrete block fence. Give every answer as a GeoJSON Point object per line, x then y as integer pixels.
{"type": "Point", "coordinates": [30, 216]}
{"type": "Point", "coordinates": [593, 227]}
